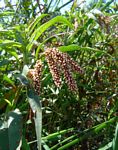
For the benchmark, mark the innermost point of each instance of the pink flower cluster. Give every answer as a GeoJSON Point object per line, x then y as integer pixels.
{"type": "Point", "coordinates": [61, 62]}
{"type": "Point", "coordinates": [35, 75]}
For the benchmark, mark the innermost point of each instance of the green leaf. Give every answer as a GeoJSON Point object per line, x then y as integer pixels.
{"type": "Point", "coordinates": [75, 47]}
{"type": "Point", "coordinates": [6, 13]}
{"type": "Point", "coordinates": [13, 53]}
{"type": "Point", "coordinates": [4, 62]}
{"type": "Point", "coordinates": [33, 100]}
{"type": "Point", "coordinates": [72, 47]}
{"type": "Point", "coordinates": [11, 50]}
{"type": "Point", "coordinates": [25, 145]}
{"type": "Point", "coordinates": [6, 32]}
{"type": "Point", "coordinates": [11, 131]}
{"type": "Point", "coordinates": [106, 147]}
{"type": "Point", "coordinates": [107, 5]}
{"type": "Point", "coordinates": [35, 104]}
{"type": "Point", "coordinates": [93, 131]}
{"type": "Point", "coordinates": [25, 70]}
{"type": "Point", "coordinates": [22, 79]}
{"type": "Point", "coordinates": [115, 140]}
{"type": "Point", "coordinates": [7, 79]}
{"type": "Point", "coordinates": [9, 44]}
{"type": "Point", "coordinates": [45, 146]}
{"type": "Point", "coordinates": [35, 22]}
{"type": "Point", "coordinates": [56, 134]}
{"type": "Point", "coordinates": [37, 33]}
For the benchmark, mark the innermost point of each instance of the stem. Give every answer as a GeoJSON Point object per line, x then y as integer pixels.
{"type": "Point", "coordinates": [54, 135]}
{"type": "Point", "coordinates": [63, 5]}
{"type": "Point", "coordinates": [89, 132]}
{"type": "Point", "coordinates": [62, 142]}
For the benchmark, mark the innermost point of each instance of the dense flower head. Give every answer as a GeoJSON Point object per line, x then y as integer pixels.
{"type": "Point", "coordinates": [35, 75]}
{"type": "Point", "coordinates": [62, 62]}
{"type": "Point", "coordinates": [58, 63]}
{"type": "Point", "coordinates": [53, 68]}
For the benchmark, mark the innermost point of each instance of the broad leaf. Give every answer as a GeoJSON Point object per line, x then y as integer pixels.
{"type": "Point", "coordinates": [11, 131]}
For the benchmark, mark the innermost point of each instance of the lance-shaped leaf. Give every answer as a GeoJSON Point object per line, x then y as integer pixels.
{"type": "Point", "coordinates": [74, 47]}
{"type": "Point", "coordinates": [35, 104]}
{"type": "Point", "coordinates": [37, 33]}
{"type": "Point", "coordinates": [9, 44]}
{"type": "Point", "coordinates": [7, 13]}
{"type": "Point", "coordinates": [35, 22]}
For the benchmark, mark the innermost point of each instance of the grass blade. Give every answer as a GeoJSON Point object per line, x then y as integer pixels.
{"type": "Point", "coordinates": [93, 131]}
{"type": "Point", "coordinates": [37, 33]}
{"type": "Point", "coordinates": [115, 140]}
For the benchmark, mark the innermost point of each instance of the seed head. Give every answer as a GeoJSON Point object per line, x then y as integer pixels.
{"type": "Point", "coordinates": [54, 69]}
{"type": "Point", "coordinates": [62, 62]}
{"type": "Point", "coordinates": [35, 75]}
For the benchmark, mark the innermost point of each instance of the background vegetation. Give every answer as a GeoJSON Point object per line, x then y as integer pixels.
{"type": "Point", "coordinates": [85, 120]}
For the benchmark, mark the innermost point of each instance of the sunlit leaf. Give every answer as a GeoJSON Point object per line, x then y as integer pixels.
{"type": "Point", "coordinates": [35, 22]}
{"type": "Point", "coordinates": [6, 13]}
{"type": "Point", "coordinates": [76, 47]}
{"type": "Point", "coordinates": [7, 79]}
{"type": "Point", "coordinates": [37, 33]}
{"type": "Point", "coordinates": [8, 43]}
{"type": "Point", "coordinates": [106, 147]}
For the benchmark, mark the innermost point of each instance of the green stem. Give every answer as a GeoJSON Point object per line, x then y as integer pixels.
{"type": "Point", "coordinates": [89, 132]}
{"type": "Point", "coordinates": [54, 135]}
{"type": "Point", "coordinates": [62, 142]}
{"type": "Point", "coordinates": [64, 5]}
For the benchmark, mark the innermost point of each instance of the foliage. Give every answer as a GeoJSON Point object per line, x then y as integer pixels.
{"type": "Point", "coordinates": [11, 130]}
{"type": "Point", "coordinates": [68, 120]}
